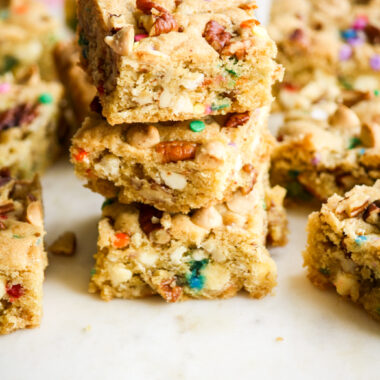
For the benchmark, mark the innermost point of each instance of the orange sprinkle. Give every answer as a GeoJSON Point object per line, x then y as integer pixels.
{"type": "Point", "coordinates": [21, 9]}
{"type": "Point", "coordinates": [81, 155]}
{"type": "Point", "coordinates": [121, 240]}
{"type": "Point", "coordinates": [249, 23]}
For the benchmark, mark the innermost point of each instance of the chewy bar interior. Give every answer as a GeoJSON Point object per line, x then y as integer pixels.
{"type": "Point", "coordinates": [176, 60]}
{"type": "Point", "coordinates": [27, 35]}
{"type": "Point", "coordinates": [344, 246]}
{"type": "Point", "coordinates": [22, 255]}
{"type": "Point", "coordinates": [322, 152]}
{"type": "Point", "coordinates": [210, 253]}
{"type": "Point", "coordinates": [29, 124]}
{"type": "Point", "coordinates": [339, 37]}
{"type": "Point", "coordinates": [173, 166]}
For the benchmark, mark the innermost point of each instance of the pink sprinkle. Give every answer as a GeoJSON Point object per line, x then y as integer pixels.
{"type": "Point", "coordinates": [139, 37]}
{"type": "Point", "coordinates": [208, 110]}
{"type": "Point", "coordinates": [231, 143]}
{"type": "Point", "coordinates": [345, 53]}
{"type": "Point", "coordinates": [375, 62]}
{"type": "Point", "coordinates": [316, 160]}
{"type": "Point", "coordinates": [4, 88]}
{"type": "Point", "coordinates": [355, 41]}
{"type": "Point", "coordinates": [360, 23]}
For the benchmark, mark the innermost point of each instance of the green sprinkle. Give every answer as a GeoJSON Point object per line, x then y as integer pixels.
{"type": "Point", "coordinates": [38, 242]}
{"type": "Point", "coordinates": [264, 205]}
{"type": "Point", "coordinates": [9, 63]}
{"type": "Point", "coordinates": [197, 126]}
{"type": "Point", "coordinates": [232, 72]}
{"type": "Point", "coordinates": [293, 174]}
{"type": "Point", "coordinates": [15, 236]}
{"type": "Point", "coordinates": [324, 271]}
{"type": "Point", "coordinates": [108, 202]}
{"type": "Point", "coordinates": [4, 14]}
{"type": "Point", "coordinates": [377, 92]}
{"type": "Point", "coordinates": [354, 142]}
{"type": "Point", "coordinates": [234, 59]}
{"type": "Point", "coordinates": [345, 84]}
{"type": "Point", "coordinates": [92, 272]}
{"type": "Point", "coordinates": [45, 98]}
{"type": "Point", "coordinates": [296, 190]}
{"type": "Point", "coordinates": [215, 107]}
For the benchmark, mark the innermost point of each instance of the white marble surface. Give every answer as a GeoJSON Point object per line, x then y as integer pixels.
{"type": "Point", "coordinates": [82, 337]}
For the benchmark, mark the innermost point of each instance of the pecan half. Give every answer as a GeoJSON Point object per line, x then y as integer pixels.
{"type": "Point", "coordinates": [173, 151]}
{"type": "Point", "coordinates": [216, 35]}
{"type": "Point", "coordinates": [165, 23]}
{"type": "Point", "coordinates": [170, 291]}
{"type": "Point", "coordinates": [372, 213]}
{"type": "Point", "coordinates": [373, 34]}
{"type": "Point", "coordinates": [145, 218]}
{"type": "Point", "coordinates": [237, 119]}
{"type": "Point", "coordinates": [7, 207]}
{"type": "Point", "coordinates": [146, 6]}
{"type": "Point", "coordinates": [18, 116]}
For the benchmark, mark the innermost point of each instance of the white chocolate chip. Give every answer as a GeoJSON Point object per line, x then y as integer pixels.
{"type": "Point", "coordinates": [173, 180]}
{"type": "Point", "coordinates": [211, 154]}
{"type": "Point", "coordinates": [207, 218]}
{"type": "Point", "coordinates": [160, 236]}
{"type": "Point", "coordinates": [366, 83]}
{"type": "Point", "coordinates": [122, 42]}
{"type": "Point", "coordinates": [109, 166]}
{"type": "Point", "coordinates": [3, 289]}
{"type": "Point", "coordinates": [241, 204]}
{"type": "Point", "coordinates": [183, 105]}
{"type": "Point", "coordinates": [136, 240]}
{"type": "Point", "coordinates": [147, 259]}
{"type": "Point", "coordinates": [177, 254]}
{"type": "Point", "coordinates": [166, 98]}
{"type": "Point", "coordinates": [34, 214]}
{"type": "Point", "coordinates": [143, 137]}
{"type": "Point", "coordinates": [198, 254]}
{"type": "Point", "coordinates": [346, 285]}
{"type": "Point", "coordinates": [119, 274]}
{"type": "Point", "coordinates": [194, 82]}
{"type": "Point", "coordinates": [217, 277]}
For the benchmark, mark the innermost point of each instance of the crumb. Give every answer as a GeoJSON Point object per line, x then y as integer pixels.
{"type": "Point", "coordinates": [64, 245]}
{"type": "Point", "coordinates": [279, 339]}
{"type": "Point", "coordinates": [88, 328]}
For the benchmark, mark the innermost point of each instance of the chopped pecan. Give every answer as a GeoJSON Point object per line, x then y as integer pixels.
{"type": "Point", "coordinates": [372, 213]}
{"type": "Point", "coordinates": [299, 37]}
{"type": "Point", "coordinates": [2, 226]}
{"type": "Point", "coordinates": [173, 151]}
{"type": "Point", "coordinates": [373, 34]}
{"type": "Point", "coordinates": [248, 7]}
{"type": "Point", "coordinates": [216, 35]}
{"type": "Point", "coordinates": [4, 180]}
{"type": "Point", "coordinates": [352, 97]}
{"type": "Point", "coordinates": [145, 218]}
{"type": "Point", "coordinates": [170, 291]}
{"type": "Point", "coordinates": [96, 106]}
{"type": "Point", "coordinates": [7, 207]}
{"type": "Point", "coordinates": [237, 119]}
{"type": "Point", "coordinates": [18, 116]}
{"type": "Point", "coordinates": [146, 6]}
{"type": "Point", "coordinates": [237, 49]}
{"type": "Point", "coordinates": [249, 169]}
{"type": "Point", "coordinates": [165, 23]}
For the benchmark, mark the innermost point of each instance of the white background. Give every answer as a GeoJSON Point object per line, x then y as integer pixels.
{"type": "Point", "coordinates": [82, 337]}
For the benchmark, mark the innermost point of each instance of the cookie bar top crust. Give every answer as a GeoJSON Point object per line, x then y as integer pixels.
{"type": "Point", "coordinates": [344, 246]}
{"type": "Point", "coordinates": [167, 60]}
{"type": "Point", "coordinates": [340, 37]}
{"type": "Point", "coordinates": [174, 166]}
{"type": "Point", "coordinates": [211, 253]}
{"type": "Point", "coordinates": [29, 114]}
{"type": "Point", "coordinates": [27, 35]}
{"type": "Point", "coordinates": [22, 256]}
{"type": "Point", "coordinates": [322, 154]}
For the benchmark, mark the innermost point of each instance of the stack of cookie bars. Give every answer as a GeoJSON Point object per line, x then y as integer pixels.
{"type": "Point", "coordinates": [329, 142]}
{"type": "Point", "coordinates": [29, 143]}
{"type": "Point", "coordinates": [178, 144]}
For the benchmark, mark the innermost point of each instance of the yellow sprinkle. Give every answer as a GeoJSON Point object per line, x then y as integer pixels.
{"type": "Point", "coordinates": [259, 31]}
{"type": "Point", "coordinates": [279, 339]}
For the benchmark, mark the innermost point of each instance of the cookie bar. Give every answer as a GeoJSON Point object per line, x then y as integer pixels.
{"type": "Point", "coordinates": [321, 154]}
{"type": "Point", "coordinates": [29, 123]}
{"type": "Point", "coordinates": [27, 36]}
{"type": "Point", "coordinates": [22, 255]}
{"type": "Point", "coordinates": [173, 166]}
{"type": "Point", "coordinates": [344, 246]}
{"type": "Point", "coordinates": [211, 253]}
{"type": "Point", "coordinates": [71, 14]}
{"type": "Point", "coordinates": [170, 60]}
{"type": "Point", "coordinates": [340, 37]}
{"type": "Point", "coordinates": [79, 92]}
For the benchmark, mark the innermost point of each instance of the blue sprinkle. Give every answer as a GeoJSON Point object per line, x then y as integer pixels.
{"type": "Point", "coordinates": [349, 34]}
{"type": "Point", "coordinates": [361, 151]}
{"type": "Point", "coordinates": [196, 282]}
{"type": "Point", "coordinates": [195, 279]}
{"type": "Point", "coordinates": [360, 239]}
